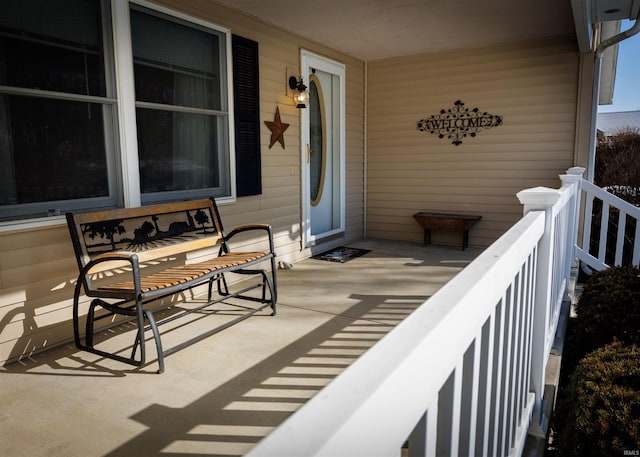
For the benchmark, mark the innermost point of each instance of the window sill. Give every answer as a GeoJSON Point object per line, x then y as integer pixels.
{"type": "Point", "coordinates": [51, 221]}
{"type": "Point", "coordinates": [35, 223]}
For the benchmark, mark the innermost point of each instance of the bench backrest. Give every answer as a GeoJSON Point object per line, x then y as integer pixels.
{"type": "Point", "coordinates": [149, 231]}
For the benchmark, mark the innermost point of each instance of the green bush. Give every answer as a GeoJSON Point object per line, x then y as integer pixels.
{"type": "Point", "coordinates": [602, 404]}
{"type": "Point", "coordinates": [617, 164]}
{"type": "Point", "coordinates": [608, 308]}
{"type": "Point", "coordinates": [598, 404]}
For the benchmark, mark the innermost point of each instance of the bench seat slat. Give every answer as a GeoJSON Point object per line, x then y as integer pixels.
{"type": "Point", "coordinates": [184, 273]}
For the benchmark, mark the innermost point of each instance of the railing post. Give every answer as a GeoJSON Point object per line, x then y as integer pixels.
{"type": "Point", "coordinates": [541, 199]}
{"type": "Point", "coordinates": [573, 176]}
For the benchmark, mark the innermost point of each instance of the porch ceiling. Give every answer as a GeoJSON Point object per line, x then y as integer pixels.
{"type": "Point", "coordinates": [377, 29]}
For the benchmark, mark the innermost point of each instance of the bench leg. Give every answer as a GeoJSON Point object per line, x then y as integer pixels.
{"type": "Point", "coordinates": [141, 342]}
{"type": "Point", "coordinates": [427, 236]}
{"type": "Point", "coordinates": [214, 279]}
{"type": "Point", "coordinates": [273, 286]}
{"type": "Point", "coordinates": [88, 337]}
{"type": "Point", "coordinates": [270, 283]}
{"type": "Point", "coordinates": [76, 319]}
{"type": "Point", "coordinates": [156, 337]}
{"type": "Point", "coordinates": [140, 314]}
{"type": "Point", "coordinates": [88, 343]}
{"type": "Point", "coordinates": [223, 288]}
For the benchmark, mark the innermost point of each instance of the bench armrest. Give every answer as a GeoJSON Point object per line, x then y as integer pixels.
{"type": "Point", "coordinates": [247, 228]}
{"type": "Point", "coordinates": [115, 256]}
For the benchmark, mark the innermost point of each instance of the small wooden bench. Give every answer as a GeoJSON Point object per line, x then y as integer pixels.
{"type": "Point", "coordinates": [129, 258]}
{"type": "Point", "coordinates": [443, 221]}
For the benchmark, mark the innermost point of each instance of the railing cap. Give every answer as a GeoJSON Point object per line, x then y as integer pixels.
{"type": "Point", "coordinates": [576, 171]}
{"type": "Point", "coordinates": [574, 174]}
{"type": "Point", "coordinates": [570, 178]}
{"type": "Point", "coordinates": [538, 197]}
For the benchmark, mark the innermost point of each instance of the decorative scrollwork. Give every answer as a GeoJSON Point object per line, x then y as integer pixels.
{"type": "Point", "coordinates": [139, 233]}
{"type": "Point", "coordinates": [458, 122]}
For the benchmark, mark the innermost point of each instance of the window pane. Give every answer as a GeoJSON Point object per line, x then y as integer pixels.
{"type": "Point", "coordinates": [74, 21]}
{"type": "Point", "coordinates": [56, 151]}
{"type": "Point", "coordinates": [51, 150]}
{"type": "Point", "coordinates": [158, 85]}
{"type": "Point", "coordinates": [184, 149]}
{"type": "Point", "coordinates": [59, 52]}
{"type": "Point", "coordinates": [175, 64]}
{"type": "Point", "coordinates": [179, 151]}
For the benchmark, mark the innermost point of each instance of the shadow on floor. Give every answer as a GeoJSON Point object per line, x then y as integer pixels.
{"type": "Point", "coordinates": [231, 419]}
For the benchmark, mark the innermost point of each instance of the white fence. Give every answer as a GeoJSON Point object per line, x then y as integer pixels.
{"type": "Point", "coordinates": [595, 255]}
{"type": "Point", "coordinates": [464, 374]}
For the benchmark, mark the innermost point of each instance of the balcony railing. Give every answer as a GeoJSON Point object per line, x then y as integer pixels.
{"type": "Point", "coordinates": [464, 373]}
{"type": "Point", "coordinates": [604, 248]}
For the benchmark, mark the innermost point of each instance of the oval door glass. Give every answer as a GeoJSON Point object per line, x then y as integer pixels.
{"type": "Point", "coordinates": [317, 143]}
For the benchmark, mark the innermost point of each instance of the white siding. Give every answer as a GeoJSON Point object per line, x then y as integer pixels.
{"type": "Point", "coordinates": [532, 85]}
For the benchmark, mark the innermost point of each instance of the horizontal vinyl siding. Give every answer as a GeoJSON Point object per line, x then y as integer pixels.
{"type": "Point", "coordinates": [37, 274]}
{"type": "Point", "coordinates": [354, 149]}
{"type": "Point", "coordinates": [37, 266]}
{"type": "Point", "coordinates": [532, 85]}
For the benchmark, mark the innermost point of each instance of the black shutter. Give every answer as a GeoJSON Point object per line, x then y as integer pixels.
{"type": "Point", "coordinates": [246, 99]}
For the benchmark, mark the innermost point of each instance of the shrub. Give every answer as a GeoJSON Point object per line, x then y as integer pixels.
{"type": "Point", "coordinates": [602, 403]}
{"type": "Point", "coordinates": [617, 164]}
{"type": "Point", "coordinates": [608, 308]}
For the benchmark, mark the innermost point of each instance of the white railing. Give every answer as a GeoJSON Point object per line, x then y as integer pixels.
{"type": "Point", "coordinates": [463, 374]}
{"type": "Point", "coordinates": [596, 256]}
{"type": "Point", "coordinates": [557, 256]}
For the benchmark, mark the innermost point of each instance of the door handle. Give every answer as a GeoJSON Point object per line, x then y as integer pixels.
{"type": "Point", "coordinates": [308, 153]}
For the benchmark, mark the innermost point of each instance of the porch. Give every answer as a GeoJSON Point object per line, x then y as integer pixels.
{"type": "Point", "coordinates": [222, 395]}
{"type": "Point", "coordinates": [463, 375]}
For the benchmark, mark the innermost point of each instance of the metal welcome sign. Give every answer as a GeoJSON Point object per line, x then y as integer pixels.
{"type": "Point", "coordinates": [458, 122]}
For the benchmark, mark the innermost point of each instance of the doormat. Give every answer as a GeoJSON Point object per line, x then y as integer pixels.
{"type": "Point", "coordinates": [341, 254]}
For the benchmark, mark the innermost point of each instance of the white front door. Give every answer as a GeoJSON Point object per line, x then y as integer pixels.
{"type": "Point", "coordinates": [323, 151]}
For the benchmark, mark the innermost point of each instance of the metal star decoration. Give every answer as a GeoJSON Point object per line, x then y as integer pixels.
{"type": "Point", "coordinates": [277, 128]}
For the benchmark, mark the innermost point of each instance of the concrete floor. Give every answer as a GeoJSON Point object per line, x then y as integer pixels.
{"type": "Point", "coordinates": [221, 395]}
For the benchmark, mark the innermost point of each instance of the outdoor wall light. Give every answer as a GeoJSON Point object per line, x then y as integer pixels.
{"type": "Point", "coordinates": [300, 93]}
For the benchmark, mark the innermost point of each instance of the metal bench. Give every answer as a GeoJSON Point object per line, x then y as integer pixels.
{"type": "Point", "coordinates": [128, 258]}
{"type": "Point", "coordinates": [444, 221]}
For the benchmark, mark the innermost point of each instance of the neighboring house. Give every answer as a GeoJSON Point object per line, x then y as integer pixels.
{"type": "Point", "coordinates": [116, 103]}
{"type": "Point", "coordinates": [609, 124]}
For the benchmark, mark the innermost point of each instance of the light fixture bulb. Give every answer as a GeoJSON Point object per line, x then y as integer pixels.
{"type": "Point", "coordinates": [300, 93]}
{"type": "Point", "coordinates": [301, 98]}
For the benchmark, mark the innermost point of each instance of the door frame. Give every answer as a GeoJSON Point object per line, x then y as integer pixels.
{"type": "Point", "coordinates": [310, 60]}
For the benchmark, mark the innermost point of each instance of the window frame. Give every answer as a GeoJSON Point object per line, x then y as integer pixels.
{"type": "Point", "coordinates": [23, 214]}
{"type": "Point", "coordinates": [219, 116]}
{"type": "Point", "coordinates": [127, 113]}
{"type": "Point", "coordinates": [121, 136]}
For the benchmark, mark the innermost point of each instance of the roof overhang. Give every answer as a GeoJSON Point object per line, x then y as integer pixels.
{"type": "Point", "coordinates": [589, 15]}
{"type": "Point", "coordinates": [379, 29]}
{"type": "Point", "coordinates": [609, 64]}
{"type": "Point", "coordinates": [597, 21]}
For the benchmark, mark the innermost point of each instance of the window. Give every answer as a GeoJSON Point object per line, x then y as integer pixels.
{"type": "Point", "coordinates": [55, 109]}
{"type": "Point", "coordinates": [59, 138]}
{"type": "Point", "coordinates": [181, 108]}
